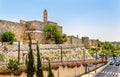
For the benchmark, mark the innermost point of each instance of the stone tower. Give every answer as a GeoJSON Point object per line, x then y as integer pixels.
{"type": "Point", "coordinates": [45, 17]}
{"type": "Point", "coordinates": [85, 42]}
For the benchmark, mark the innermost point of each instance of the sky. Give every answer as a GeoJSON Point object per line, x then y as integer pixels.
{"type": "Point", "coordinates": [96, 19]}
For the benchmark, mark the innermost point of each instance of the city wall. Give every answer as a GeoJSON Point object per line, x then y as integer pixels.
{"type": "Point", "coordinates": [73, 40]}
{"type": "Point", "coordinates": [16, 28]}
{"type": "Point", "coordinates": [35, 28]}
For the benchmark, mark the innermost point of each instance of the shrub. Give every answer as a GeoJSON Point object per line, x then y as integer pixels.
{"type": "Point", "coordinates": [13, 65]}
{"type": "Point", "coordinates": [84, 64]}
{"type": "Point", "coordinates": [5, 72]}
{"type": "Point", "coordinates": [8, 37]}
{"type": "Point", "coordinates": [64, 64]}
{"type": "Point", "coordinates": [55, 66]}
{"type": "Point", "coordinates": [18, 72]}
{"type": "Point", "coordinates": [3, 68]}
{"type": "Point", "coordinates": [78, 64]}
{"type": "Point", "coordinates": [71, 65]}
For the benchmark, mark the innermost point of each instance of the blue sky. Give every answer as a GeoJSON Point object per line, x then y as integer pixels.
{"type": "Point", "coordinates": [97, 19]}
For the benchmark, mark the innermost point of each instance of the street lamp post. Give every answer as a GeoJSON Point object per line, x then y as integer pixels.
{"type": "Point", "coordinates": [84, 60]}
{"type": "Point", "coordinates": [83, 55]}
{"type": "Point", "coordinates": [60, 47]}
{"type": "Point", "coordinates": [18, 51]}
{"type": "Point", "coordinates": [61, 54]}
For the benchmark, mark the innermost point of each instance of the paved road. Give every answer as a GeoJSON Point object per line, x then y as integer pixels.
{"type": "Point", "coordinates": [109, 71]}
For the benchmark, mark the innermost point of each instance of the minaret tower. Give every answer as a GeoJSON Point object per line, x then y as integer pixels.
{"type": "Point", "coordinates": [45, 17]}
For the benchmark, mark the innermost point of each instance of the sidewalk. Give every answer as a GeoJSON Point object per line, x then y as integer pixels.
{"type": "Point", "coordinates": [93, 73]}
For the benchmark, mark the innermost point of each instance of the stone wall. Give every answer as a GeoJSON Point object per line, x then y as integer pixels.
{"type": "Point", "coordinates": [86, 42]}
{"type": "Point", "coordinates": [16, 28]}
{"type": "Point", "coordinates": [73, 40]}
{"type": "Point", "coordinates": [35, 35]}
{"type": "Point", "coordinates": [35, 28]}
{"type": "Point", "coordinates": [21, 30]}
{"type": "Point", "coordinates": [33, 25]}
{"type": "Point", "coordinates": [60, 72]}
{"type": "Point", "coordinates": [69, 52]}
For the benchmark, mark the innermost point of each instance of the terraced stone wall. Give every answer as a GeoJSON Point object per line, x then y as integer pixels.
{"type": "Point", "coordinates": [52, 51]}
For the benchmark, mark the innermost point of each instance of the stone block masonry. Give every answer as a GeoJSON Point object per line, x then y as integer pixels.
{"type": "Point", "coordinates": [52, 51]}
{"type": "Point", "coordinates": [17, 28]}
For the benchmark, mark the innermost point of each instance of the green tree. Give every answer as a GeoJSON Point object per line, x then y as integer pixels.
{"type": "Point", "coordinates": [39, 71]}
{"type": "Point", "coordinates": [30, 60]}
{"type": "Point", "coordinates": [108, 49]}
{"type": "Point", "coordinates": [50, 73]}
{"type": "Point", "coordinates": [53, 34]}
{"type": "Point", "coordinates": [64, 38]}
{"type": "Point", "coordinates": [113, 50]}
{"type": "Point", "coordinates": [91, 52]}
{"type": "Point", "coordinates": [8, 37]}
{"type": "Point", "coordinates": [101, 49]}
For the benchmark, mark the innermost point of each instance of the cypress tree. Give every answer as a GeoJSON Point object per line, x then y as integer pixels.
{"type": "Point", "coordinates": [50, 73]}
{"type": "Point", "coordinates": [39, 72]}
{"type": "Point", "coordinates": [30, 60]}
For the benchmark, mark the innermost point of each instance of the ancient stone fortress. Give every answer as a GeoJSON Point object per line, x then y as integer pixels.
{"type": "Point", "coordinates": [74, 49]}
{"type": "Point", "coordinates": [35, 28]}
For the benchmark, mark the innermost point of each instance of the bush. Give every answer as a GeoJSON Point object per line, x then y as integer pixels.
{"type": "Point", "coordinates": [78, 64]}
{"type": "Point", "coordinates": [3, 68]}
{"type": "Point", "coordinates": [13, 65]}
{"type": "Point", "coordinates": [71, 65]}
{"type": "Point", "coordinates": [8, 37]}
{"type": "Point", "coordinates": [55, 66]}
{"type": "Point", "coordinates": [18, 72]}
{"type": "Point", "coordinates": [5, 71]}
{"type": "Point", "coordinates": [63, 65]}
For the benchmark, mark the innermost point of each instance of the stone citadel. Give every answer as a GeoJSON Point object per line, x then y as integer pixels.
{"type": "Point", "coordinates": [35, 28]}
